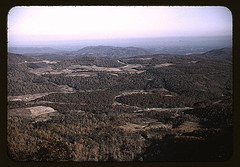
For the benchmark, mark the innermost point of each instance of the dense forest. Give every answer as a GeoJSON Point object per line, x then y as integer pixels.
{"type": "Point", "coordinates": [142, 108]}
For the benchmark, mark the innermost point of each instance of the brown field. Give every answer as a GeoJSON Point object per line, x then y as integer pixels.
{"type": "Point", "coordinates": [31, 112]}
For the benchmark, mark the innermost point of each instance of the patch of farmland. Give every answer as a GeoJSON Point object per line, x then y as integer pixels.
{"type": "Point", "coordinates": [28, 97]}
{"type": "Point", "coordinates": [31, 112]}
{"type": "Point", "coordinates": [163, 65]}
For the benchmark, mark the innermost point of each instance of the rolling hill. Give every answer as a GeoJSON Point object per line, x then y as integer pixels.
{"type": "Point", "coordinates": [223, 52]}
{"type": "Point", "coordinates": [18, 58]}
{"type": "Point", "coordinates": [111, 51]}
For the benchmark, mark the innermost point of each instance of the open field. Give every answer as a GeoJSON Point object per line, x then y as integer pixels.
{"type": "Point", "coordinates": [26, 98]}
{"type": "Point", "coordinates": [31, 112]}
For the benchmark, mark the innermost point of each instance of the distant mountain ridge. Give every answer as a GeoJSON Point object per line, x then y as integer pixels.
{"type": "Point", "coordinates": [111, 51]}
{"type": "Point", "coordinates": [32, 50]}
{"type": "Point", "coordinates": [117, 52]}
{"type": "Point", "coordinates": [223, 52]}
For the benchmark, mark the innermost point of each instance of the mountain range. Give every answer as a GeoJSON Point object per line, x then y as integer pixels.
{"type": "Point", "coordinates": [103, 51]}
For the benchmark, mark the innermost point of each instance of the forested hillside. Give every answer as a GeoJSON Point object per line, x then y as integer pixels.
{"type": "Point", "coordinates": [113, 52]}
{"type": "Point", "coordinates": [142, 108]}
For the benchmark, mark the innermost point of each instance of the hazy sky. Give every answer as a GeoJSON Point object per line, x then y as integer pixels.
{"type": "Point", "coordinates": [78, 23]}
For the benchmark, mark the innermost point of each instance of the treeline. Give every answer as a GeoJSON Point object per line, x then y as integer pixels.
{"type": "Point", "coordinates": [187, 79]}
{"type": "Point", "coordinates": [89, 61]}
{"type": "Point", "coordinates": [103, 80]}
{"type": "Point", "coordinates": [159, 59]}
{"type": "Point", "coordinates": [151, 100]}
{"type": "Point", "coordinates": [96, 97]}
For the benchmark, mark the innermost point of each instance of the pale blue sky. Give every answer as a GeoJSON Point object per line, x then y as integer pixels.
{"type": "Point", "coordinates": [26, 24]}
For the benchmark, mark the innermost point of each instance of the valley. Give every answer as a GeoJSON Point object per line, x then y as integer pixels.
{"type": "Point", "coordinates": [120, 108]}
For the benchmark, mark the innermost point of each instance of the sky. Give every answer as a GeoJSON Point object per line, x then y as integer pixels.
{"type": "Point", "coordinates": [42, 23]}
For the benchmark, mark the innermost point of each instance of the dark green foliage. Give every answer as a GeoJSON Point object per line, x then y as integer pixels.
{"type": "Point", "coordinates": [52, 150]}
{"type": "Point", "coordinates": [33, 65]}
{"type": "Point", "coordinates": [176, 122]}
{"type": "Point", "coordinates": [98, 97]}
{"type": "Point", "coordinates": [156, 100]}
{"type": "Point", "coordinates": [89, 61]}
{"type": "Point", "coordinates": [215, 116]}
{"type": "Point", "coordinates": [111, 51]}
{"type": "Point", "coordinates": [213, 147]}
{"type": "Point", "coordinates": [163, 116]}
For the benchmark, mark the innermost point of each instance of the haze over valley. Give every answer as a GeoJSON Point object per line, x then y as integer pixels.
{"type": "Point", "coordinates": [167, 45]}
